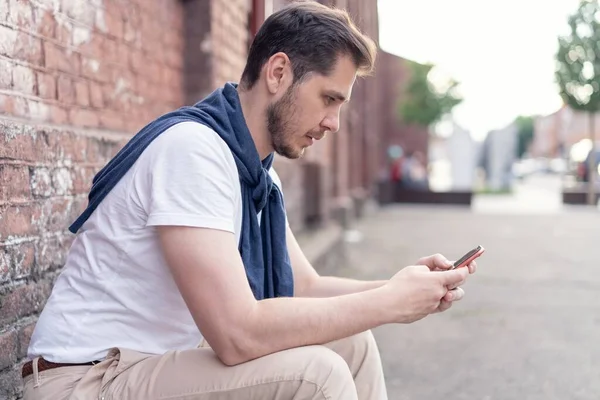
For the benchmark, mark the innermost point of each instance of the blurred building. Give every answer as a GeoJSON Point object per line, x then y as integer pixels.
{"type": "Point", "coordinates": [498, 154]}
{"type": "Point", "coordinates": [556, 133]}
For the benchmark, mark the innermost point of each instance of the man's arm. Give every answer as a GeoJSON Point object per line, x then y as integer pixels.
{"type": "Point", "coordinates": [210, 275]}
{"type": "Point", "coordinates": [308, 283]}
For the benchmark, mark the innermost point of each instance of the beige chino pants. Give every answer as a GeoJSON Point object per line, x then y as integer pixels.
{"type": "Point", "coordinates": [345, 369]}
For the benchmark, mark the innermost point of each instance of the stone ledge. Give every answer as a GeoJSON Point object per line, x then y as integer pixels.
{"type": "Point", "coordinates": [323, 247]}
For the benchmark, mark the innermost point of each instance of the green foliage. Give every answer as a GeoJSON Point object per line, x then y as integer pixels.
{"type": "Point", "coordinates": [578, 59]}
{"type": "Point", "coordinates": [421, 103]}
{"type": "Point", "coordinates": [525, 133]}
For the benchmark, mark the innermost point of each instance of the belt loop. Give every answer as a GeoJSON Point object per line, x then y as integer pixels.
{"type": "Point", "coordinates": [34, 364]}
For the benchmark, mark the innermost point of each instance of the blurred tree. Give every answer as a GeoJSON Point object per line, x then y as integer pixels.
{"type": "Point", "coordinates": [423, 103]}
{"type": "Point", "coordinates": [525, 133]}
{"type": "Point", "coordinates": [578, 71]}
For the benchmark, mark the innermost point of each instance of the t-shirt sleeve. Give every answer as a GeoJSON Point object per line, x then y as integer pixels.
{"type": "Point", "coordinates": [192, 179]}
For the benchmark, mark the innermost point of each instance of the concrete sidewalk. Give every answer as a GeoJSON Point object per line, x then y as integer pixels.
{"type": "Point", "coordinates": [529, 325]}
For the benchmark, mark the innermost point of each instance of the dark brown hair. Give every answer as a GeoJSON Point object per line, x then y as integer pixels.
{"type": "Point", "coordinates": [313, 36]}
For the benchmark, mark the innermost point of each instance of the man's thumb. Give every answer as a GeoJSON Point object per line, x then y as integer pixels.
{"type": "Point", "coordinates": [454, 276]}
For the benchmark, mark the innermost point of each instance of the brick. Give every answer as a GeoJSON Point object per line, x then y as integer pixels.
{"type": "Point", "coordinates": [46, 85]}
{"type": "Point", "coordinates": [85, 118]}
{"type": "Point", "coordinates": [99, 20]}
{"type": "Point", "coordinates": [21, 259]}
{"type": "Point", "coordinates": [8, 349]}
{"type": "Point", "coordinates": [64, 30]}
{"type": "Point", "coordinates": [96, 98]}
{"type": "Point", "coordinates": [136, 61]}
{"type": "Point", "coordinates": [52, 251]}
{"type": "Point", "coordinates": [37, 110]}
{"type": "Point", "coordinates": [4, 267]}
{"type": "Point", "coordinates": [6, 68]}
{"type": "Point", "coordinates": [122, 54]}
{"type": "Point", "coordinates": [69, 146]}
{"type": "Point", "coordinates": [41, 182]}
{"type": "Point", "coordinates": [132, 26]}
{"type": "Point", "coordinates": [24, 337]}
{"type": "Point", "coordinates": [19, 220]}
{"type": "Point", "coordinates": [28, 48]}
{"type": "Point", "coordinates": [95, 69]}
{"type": "Point", "coordinates": [21, 14]}
{"type": "Point", "coordinates": [57, 58]}
{"type": "Point", "coordinates": [11, 384]}
{"type": "Point", "coordinates": [61, 182]}
{"type": "Point", "coordinates": [82, 93]}
{"type": "Point", "coordinates": [82, 179]}
{"type": "Point", "coordinates": [3, 10]}
{"type": "Point", "coordinates": [114, 25]}
{"type": "Point", "coordinates": [81, 34]}
{"type": "Point", "coordinates": [99, 151]}
{"type": "Point", "coordinates": [20, 143]}
{"type": "Point", "coordinates": [111, 120]}
{"type": "Point", "coordinates": [24, 79]}
{"type": "Point", "coordinates": [66, 90]}
{"type": "Point", "coordinates": [14, 182]}
{"type": "Point", "coordinates": [109, 51]}
{"type": "Point", "coordinates": [93, 47]}
{"type": "Point", "coordinates": [23, 301]}
{"type": "Point", "coordinates": [45, 22]}
{"type": "Point", "coordinates": [20, 107]}
{"type": "Point", "coordinates": [58, 115]}
{"type": "Point", "coordinates": [79, 10]}
{"type": "Point", "coordinates": [8, 40]}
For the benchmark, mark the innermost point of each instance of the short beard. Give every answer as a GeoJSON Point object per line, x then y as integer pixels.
{"type": "Point", "coordinates": [280, 121]}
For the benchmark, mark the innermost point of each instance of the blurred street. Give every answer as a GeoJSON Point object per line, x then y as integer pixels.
{"type": "Point", "coordinates": [529, 324]}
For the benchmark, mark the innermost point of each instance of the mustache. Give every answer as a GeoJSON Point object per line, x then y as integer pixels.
{"type": "Point", "coordinates": [318, 135]}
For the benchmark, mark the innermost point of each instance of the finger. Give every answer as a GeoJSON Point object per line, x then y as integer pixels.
{"type": "Point", "coordinates": [436, 261]}
{"type": "Point", "coordinates": [421, 267]}
{"type": "Point", "coordinates": [454, 294]}
{"type": "Point", "coordinates": [472, 267]}
{"type": "Point", "coordinates": [444, 305]}
{"type": "Point", "coordinates": [453, 277]}
{"type": "Point", "coordinates": [454, 286]}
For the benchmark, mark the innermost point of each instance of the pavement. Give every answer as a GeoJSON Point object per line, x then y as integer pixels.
{"type": "Point", "coordinates": [529, 325]}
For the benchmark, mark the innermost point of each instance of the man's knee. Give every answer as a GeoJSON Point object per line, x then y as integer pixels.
{"type": "Point", "coordinates": [363, 342]}
{"type": "Point", "coordinates": [326, 368]}
{"type": "Point", "coordinates": [358, 346]}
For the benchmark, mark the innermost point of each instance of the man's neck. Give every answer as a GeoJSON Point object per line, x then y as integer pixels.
{"type": "Point", "coordinates": [253, 109]}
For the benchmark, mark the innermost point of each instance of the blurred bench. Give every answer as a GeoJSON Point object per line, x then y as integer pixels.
{"type": "Point", "coordinates": [388, 193]}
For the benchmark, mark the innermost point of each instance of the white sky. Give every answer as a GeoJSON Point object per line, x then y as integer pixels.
{"type": "Point", "coordinates": [501, 52]}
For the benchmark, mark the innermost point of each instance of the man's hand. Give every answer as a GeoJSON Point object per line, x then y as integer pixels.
{"type": "Point", "coordinates": [417, 291]}
{"type": "Point", "coordinates": [438, 262]}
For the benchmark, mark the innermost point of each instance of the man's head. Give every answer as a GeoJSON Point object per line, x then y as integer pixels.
{"type": "Point", "coordinates": [305, 59]}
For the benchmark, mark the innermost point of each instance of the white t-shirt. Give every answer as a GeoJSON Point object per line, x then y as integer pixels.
{"type": "Point", "coordinates": [116, 289]}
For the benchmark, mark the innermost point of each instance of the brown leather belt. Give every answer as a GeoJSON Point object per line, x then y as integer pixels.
{"type": "Point", "coordinates": [44, 365]}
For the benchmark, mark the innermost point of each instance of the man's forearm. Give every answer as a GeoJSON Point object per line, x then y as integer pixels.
{"type": "Point", "coordinates": [329, 286]}
{"type": "Point", "coordinates": [284, 323]}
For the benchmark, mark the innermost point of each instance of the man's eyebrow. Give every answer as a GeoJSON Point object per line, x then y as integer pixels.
{"type": "Point", "coordinates": [337, 95]}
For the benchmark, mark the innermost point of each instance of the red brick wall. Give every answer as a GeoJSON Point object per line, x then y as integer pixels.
{"type": "Point", "coordinates": [77, 78]}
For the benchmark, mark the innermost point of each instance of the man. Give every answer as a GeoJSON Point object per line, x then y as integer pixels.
{"type": "Point", "coordinates": [184, 280]}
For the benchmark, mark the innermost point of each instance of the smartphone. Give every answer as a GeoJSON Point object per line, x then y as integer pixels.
{"type": "Point", "coordinates": [467, 258]}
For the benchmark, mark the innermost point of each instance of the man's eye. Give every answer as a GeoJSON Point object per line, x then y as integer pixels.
{"type": "Point", "coordinates": [329, 100]}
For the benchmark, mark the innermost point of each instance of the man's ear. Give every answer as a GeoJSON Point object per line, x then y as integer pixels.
{"type": "Point", "coordinates": [278, 73]}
